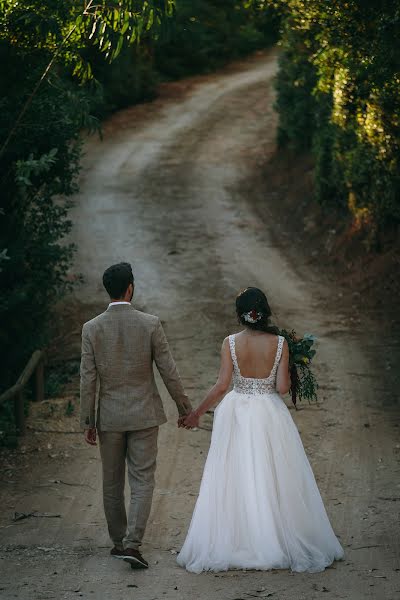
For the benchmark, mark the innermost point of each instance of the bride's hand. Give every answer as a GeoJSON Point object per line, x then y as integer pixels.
{"type": "Point", "coordinates": [191, 420]}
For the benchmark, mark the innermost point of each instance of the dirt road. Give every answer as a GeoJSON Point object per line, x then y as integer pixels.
{"type": "Point", "coordinates": [170, 189]}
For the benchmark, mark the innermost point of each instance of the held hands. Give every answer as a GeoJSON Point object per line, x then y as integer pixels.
{"type": "Point", "coordinates": [189, 421]}
{"type": "Point", "coordinates": [90, 436]}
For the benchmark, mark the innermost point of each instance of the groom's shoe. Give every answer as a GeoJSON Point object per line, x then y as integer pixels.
{"type": "Point", "coordinates": [135, 559]}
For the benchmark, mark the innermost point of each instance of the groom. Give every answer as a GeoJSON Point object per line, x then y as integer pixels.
{"type": "Point", "coordinates": [118, 350]}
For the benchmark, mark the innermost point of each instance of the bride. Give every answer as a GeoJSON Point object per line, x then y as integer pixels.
{"type": "Point", "coordinates": [259, 506]}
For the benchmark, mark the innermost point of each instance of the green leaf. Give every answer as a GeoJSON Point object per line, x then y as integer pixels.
{"type": "Point", "coordinates": [309, 336]}
{"type": "Point", "coordinates": [150, 20]}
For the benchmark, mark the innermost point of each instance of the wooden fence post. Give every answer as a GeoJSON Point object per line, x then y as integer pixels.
{"type": "Point", "coordinates": [19, 412]}
{"type": "Point", "coordinates": [39, 396]}
{"type": "Point", "coordinates": [16, 392]}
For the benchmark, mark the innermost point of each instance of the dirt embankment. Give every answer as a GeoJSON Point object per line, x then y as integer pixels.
{"type": "Point", "coordinates": [174, 187]}
{"type": "Point", "coordinates": [367, 269]}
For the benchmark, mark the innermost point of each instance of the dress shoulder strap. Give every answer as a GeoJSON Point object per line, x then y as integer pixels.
{"type": "Point", "coordinates": [232, 348]}
{"type": "Point", "coordinates": [278, 355]}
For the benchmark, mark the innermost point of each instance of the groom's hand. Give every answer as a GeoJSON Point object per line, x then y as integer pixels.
{"type": "Point", "coordinates": [90, 436]}
{"type": "Point", "coordinates": [191, 420]}
{"type": "Point", "coordinates": [181, 421]}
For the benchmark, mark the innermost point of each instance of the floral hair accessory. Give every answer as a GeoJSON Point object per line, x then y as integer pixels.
{"type": "Point", "coordinates": [252, 317]}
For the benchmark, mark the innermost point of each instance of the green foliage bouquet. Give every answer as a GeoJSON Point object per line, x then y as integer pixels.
{"type": "Point", "coordinates": [301, 352]}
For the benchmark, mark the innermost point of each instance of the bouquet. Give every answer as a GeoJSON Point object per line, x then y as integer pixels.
{"type": "Point", "coordinates": [303, 382]}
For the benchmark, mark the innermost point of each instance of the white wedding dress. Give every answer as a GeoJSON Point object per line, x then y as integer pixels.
{"type": "Point", "coordinates": [259, 506]}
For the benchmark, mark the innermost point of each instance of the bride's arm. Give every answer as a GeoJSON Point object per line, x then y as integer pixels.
{"type": "Point", "coordinates": [218, 390]}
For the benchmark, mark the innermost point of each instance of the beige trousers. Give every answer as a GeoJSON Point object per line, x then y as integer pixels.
{"type": "Point", "coordinates": [137, 450]}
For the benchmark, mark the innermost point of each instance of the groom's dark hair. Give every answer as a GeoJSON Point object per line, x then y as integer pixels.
{"type": "Point", "coordinates": [117, 278]}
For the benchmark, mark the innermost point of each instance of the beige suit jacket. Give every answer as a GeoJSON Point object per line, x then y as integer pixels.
{"type": "Point", "coordinates": [118, 350]}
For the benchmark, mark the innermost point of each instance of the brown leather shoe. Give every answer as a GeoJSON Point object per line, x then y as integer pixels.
{"type": "Point", "coordinates": [135, 559]}
{"type": "Point", "coordinates": [117, 552]}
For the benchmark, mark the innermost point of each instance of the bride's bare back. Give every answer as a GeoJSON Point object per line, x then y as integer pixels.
{"type": "Point", "coordinates": [256, 353]}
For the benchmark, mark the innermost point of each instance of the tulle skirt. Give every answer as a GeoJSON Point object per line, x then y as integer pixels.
{"type": "Point", "coordinates": [259, 506]}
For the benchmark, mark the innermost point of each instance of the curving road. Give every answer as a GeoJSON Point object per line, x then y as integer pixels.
{"type": "Point", "coordinates": [171, 190]}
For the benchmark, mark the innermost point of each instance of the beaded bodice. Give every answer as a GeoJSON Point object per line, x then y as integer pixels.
{"type": "Point", "coordinates": [251, 385]}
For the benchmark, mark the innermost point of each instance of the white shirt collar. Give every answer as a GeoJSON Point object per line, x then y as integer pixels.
{"type": "Point", "coordinates": [119, 302]}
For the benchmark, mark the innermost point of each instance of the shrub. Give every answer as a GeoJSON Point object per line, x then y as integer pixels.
{"type": "Point", "coordinates": [338, 94]}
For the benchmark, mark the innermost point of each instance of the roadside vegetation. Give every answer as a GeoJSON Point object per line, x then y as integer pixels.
{"type": "Point", "coordinates": [339, 99]}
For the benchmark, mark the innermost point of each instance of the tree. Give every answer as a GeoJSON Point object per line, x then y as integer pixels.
{"type": "Point", "coordinates": [338, 93]}
{"type": "Point", "coordinates": [46, 102]}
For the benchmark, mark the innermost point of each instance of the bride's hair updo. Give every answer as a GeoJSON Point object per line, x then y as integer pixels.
{"type": "Point", "coordinates": [253, 310]}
